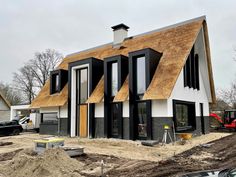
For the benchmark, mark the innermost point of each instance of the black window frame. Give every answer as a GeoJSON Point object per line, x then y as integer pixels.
{"type": "Point", "coordinates": [191, 110]}
{"type": "Point", "coordinates": [63, 79]}
{"type": "Point", "coordinates": [152, 59]}
{"type": "Point", "coordinates": [110, 81]}
{"type": "Point", "coordinates": [191, 71]}
{"type": "Point", "coordinates": [139, 95]}
{"type": "Point", "coordinates": [122, 72]}
{"type": "Point", "coordinates": [78, 84]}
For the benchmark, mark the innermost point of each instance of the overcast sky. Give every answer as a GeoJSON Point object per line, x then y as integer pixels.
{"type": "Point", "coordinates": [69, 26]}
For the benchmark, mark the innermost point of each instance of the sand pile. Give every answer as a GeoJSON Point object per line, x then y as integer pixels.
{"type": "Point", "coordinates": [53, 163]}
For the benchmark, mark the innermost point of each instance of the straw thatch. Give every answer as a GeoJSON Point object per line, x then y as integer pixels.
{"type": "Point", "coordinates": [172, 62]}
{"type": "Point", "coordinates": [98, 93]}
{"type": "Point", "coordinates": [174, 42]}
{"type": "Point", "coordinates": [123, 93]}
{"type": "Point", "coordinates": [44, 99]}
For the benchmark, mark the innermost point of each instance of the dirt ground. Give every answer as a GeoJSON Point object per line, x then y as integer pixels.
{"type": "Point", "coordinates": [219, 154]}
{"type": "Point", "coordinates": [130, 158]}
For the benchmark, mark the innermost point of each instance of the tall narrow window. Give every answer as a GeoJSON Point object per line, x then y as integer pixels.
{"type": "Point", "coordinates": [141, 75]}
{"type": "Point", "coordinates": [57, 83]}
{"type": "Point", "coordinates": [142, 119]}
{"type": "Point", "coordinates": [114, 79]}
{"type": "Point", "coordinates": [115, 119]}
{"type": "Point", "coordinates": [191, 71]}
{"type": "Point", "coordinates": [82, 85]}
{"type": "Point", "coordinates": [58, 79]}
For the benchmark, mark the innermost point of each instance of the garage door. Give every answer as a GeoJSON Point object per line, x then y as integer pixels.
{"type": "Point", "coordinates": [50, 117]}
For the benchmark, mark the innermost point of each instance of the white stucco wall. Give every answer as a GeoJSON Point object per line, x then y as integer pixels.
{"type": "Point", "coordinates": [159, 108]}
{"type": "Point", "coordinates": [189, 94]}
{"type": "Point", "coordinates": [64, 111]}
{"type": "Point", "coordinates": [119, 36]}
{"type": "Point", "coordinates": [126, 109]}
{"type": "Point", "coordinates": [203, 66]}
{"type": "Point", "coordinates": [99, 110]}
{"type": "Point", "coordinates": [193, 95]}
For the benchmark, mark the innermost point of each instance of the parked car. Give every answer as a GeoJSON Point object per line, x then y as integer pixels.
{"type": "Point", "coordinates": [10, 128]}
{"type": "Point", "coordinates": [212, 173]}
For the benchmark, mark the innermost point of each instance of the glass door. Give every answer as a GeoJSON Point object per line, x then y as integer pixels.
{"type": "Point", "coordinates": [141, 120]}
{"type": "Point", "coordinates": [82, 96]}
{"type": "Point", "coordinates": [115, 120]}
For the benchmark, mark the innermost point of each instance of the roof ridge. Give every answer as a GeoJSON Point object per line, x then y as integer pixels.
{"type": "Point", "coordinates": [172, 26]}
{"type": "Point", "coordinates": [145, 33]}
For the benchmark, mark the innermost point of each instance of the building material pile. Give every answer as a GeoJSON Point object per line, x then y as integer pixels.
{"type": "Point", "coordinates": [53, 163]}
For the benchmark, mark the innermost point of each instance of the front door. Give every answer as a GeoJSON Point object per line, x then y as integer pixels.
{"type": "Point", "coordinates": [202, 118]}
{"type": "Point", "coordinates": [82, 106]}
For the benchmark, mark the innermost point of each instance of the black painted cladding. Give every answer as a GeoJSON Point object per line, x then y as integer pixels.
{"type": "Point", "coordinates": [126, 128]}
{"type": "Point", "coordinates": [122, 62]}
{"type": "Point", "coordinates": [63, 79]}
{"type": "Point", "coordinates": [159, 122]}
{"type": "Point", "coordinates": [99, 127]}
{"type": "Point", "coordinates": [152, 59]}
{"type": "Point", "coordinates": [158, 127]}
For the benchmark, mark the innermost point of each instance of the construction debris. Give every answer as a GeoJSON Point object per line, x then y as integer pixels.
{"type": "Point", "coordinates": [51, 142]}
{"type": "Point", "coordinates": [149, 142]}
{"type": "Point", "coordinates": [207, 145]}
{"type": "Point", "coordinates": [53, 163]}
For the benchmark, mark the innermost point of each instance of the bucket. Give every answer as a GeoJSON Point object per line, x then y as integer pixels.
{"type": "Point", "coordinates": [186, 136]}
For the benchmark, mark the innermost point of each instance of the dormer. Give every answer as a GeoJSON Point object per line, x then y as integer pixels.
{"type": "Point", "coordinates": [58, 79]}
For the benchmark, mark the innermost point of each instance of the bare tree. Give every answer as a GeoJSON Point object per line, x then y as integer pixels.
{"type": "Point", "coordinates": [24, 82]}
{"type": "Point", "coordinates": [34, 74]}
{"type": "Point", "coordinates": [229, 95]}
{"type": "Point", "coordinates": [42, 64]}
{"type": "Point", "coordinates": [12, 95]}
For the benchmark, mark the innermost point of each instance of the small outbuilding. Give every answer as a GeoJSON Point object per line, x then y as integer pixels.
{"type": "Point", "coordinates": [5, 108]}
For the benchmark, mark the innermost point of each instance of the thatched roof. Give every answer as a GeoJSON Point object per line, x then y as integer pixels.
{"type": "Point", "coordinates": [175, 42]}
{"type": "Point", "coordinates": [123, 93]}
{"type": "Point", "coordinates": [44, 99]}
{"type": "Point", "coordinates": [98, 93]}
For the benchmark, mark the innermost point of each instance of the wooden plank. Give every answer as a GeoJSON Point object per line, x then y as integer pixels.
{"type": "Point", "coordinates": [83, 121]}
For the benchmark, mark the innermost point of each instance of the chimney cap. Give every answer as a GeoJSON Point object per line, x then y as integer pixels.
{"type": "Point", "coordinates": [122, 25]}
